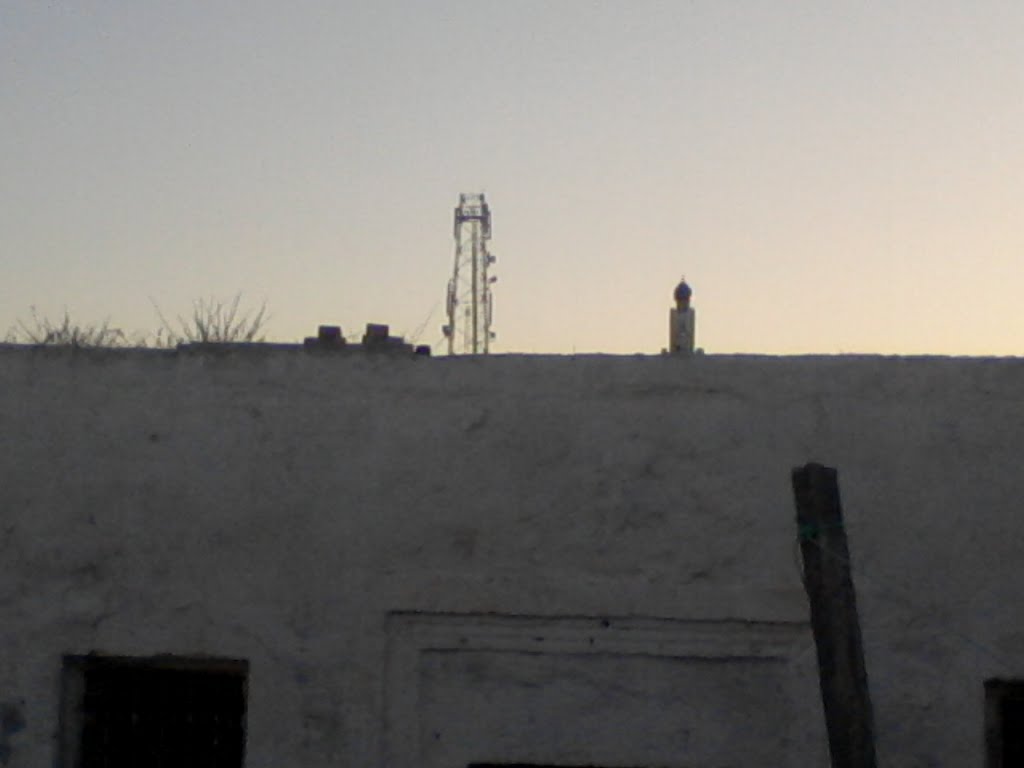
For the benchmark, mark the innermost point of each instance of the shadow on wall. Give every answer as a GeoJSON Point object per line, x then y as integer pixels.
{"type": "Point", "coordinates": [12, 721]}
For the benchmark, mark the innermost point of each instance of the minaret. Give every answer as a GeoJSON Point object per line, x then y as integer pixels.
{"type": "Point", "coordinates": [682, 329]}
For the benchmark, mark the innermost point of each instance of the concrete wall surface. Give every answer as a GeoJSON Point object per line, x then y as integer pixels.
{"type": "Point", "coordinates": [572, 561]}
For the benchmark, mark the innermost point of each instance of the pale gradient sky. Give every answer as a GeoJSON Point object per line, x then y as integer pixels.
{"type": "Point", "coordinates": [830, 176]}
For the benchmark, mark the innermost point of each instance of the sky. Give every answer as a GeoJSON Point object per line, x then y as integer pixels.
{"type": "Point", "coordinates": [840, 177]}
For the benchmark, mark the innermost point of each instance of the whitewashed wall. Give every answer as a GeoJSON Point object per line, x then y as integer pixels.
{"type": "Point", "coordinates": [565, 560]}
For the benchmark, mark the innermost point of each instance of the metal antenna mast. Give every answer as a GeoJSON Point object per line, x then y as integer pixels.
{"type": "Point", "coordinates": [470, 304]}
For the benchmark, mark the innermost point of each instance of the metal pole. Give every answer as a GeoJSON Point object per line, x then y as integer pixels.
{"type": "Point", "coordinates": [829, 585]}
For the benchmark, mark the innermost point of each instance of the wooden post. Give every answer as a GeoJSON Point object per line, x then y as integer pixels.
{"type": "Point", "coordinates": [829, 585]}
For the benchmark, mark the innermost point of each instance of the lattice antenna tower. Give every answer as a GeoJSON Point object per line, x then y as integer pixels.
{"type": "Point", "coordinates": [470, 301]}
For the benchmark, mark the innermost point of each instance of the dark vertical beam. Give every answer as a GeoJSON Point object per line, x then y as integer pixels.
{"type": "Point", "coordinates": [829, 585]}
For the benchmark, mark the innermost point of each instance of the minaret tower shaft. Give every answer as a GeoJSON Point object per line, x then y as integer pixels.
{"type": "Point", "coordinates": [682, 321]}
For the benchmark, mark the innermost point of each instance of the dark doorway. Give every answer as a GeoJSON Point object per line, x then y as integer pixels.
{"type": "Point", "coordinates": [1004, 723]}
{"type": "Point", "coordinates": [162, 712]}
